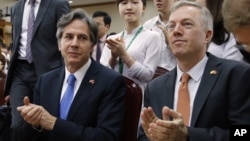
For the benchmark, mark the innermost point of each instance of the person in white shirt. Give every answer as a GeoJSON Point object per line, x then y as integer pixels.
{"type": "Point", "coordinates": [167, 60]}
{"type": "Point", "coordinates": [134, 52]}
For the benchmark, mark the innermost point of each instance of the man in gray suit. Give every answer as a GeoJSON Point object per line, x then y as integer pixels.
{"type": "Point", "coordinates": [23, 72]}
{"type": "Point", "coordinates": [218, 89]}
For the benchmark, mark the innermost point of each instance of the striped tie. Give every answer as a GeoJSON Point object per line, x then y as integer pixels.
{"type": "Point", "coordinates": [98, 51]}
{"type": "Point", "coordinates": [31, 21]}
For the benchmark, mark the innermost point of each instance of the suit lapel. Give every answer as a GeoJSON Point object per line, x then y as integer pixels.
{"type": "Point", "coordinates": [19, 19]}
{"type": "Point", "coordinates": [84, 91]}
{"type": "Point", "coordinates": [209, 77]}
{"type": "Point", "coordinates": [40, 15]}
{"type": "Point", "coordinates": [56, 92]}
{"type": "Point", "coordinates": [169, 89]}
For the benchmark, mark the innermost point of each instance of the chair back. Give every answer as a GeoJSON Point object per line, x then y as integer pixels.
{"type": "Point", "coordinates": [2, 82]}
{"type": "Point", "coordinates": [133, 104]}
{"type": "Point", "coordinates": [159, 71]}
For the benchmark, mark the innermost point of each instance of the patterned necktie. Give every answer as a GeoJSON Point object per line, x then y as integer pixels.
{"type": "Point", "coordinates": [31, 21]}
{"type": "Point", "coordinates": [68, 97]}
{"type": "Point", "coordinates": [98, 51]}
{"type": "Point", "coordinates": [183, 104]}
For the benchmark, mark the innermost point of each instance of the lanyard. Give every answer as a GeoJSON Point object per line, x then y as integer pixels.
{"type": "Point", "coordinates": [120, 59]}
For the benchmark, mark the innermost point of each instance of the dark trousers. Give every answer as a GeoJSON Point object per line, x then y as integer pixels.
{"type": "Point", "coordinates": [23, 84]}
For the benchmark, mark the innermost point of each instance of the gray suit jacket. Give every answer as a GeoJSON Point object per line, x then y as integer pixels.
{"type": "Point", "coordinates": [222, 99]}
{"type": "Point", "coordinates": [44, 48]}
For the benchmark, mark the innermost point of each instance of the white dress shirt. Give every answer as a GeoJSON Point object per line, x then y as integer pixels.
{"type": "Point", "coordinates": [102, 43]}
{"type": "Point", "coordinates": [227, 50]}
{"type": "Point", "coordinates": [23, 38]}
{"type": "Point", "coordinates": [193, 84]}
{"type": "Point", "coordinates": [79, 75]}
{"type": "Point", "coordinates": [167, 59]}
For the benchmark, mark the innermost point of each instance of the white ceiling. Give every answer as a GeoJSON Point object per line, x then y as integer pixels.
{"type": "Point", "coordinates": [88, 2]}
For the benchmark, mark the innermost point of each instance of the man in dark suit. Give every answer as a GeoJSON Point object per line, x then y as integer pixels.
{"type": "Point", "coordinates": [22, 73]}
{"type": "Point", "coordinates": [103, 21]}
{"type": "Point", "coordinates": [218, 89]}
{"type": "Point", "coordinates": [97, 109]}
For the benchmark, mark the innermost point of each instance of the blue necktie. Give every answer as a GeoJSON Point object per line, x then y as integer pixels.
{"type": "Point", "coordinates": [98, 51]}
{"type": "Point", "coordinates": [31, 21]}
{"type": "Point", "coordinates": [68, 97]}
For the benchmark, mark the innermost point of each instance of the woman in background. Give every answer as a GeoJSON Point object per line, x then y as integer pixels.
{"type": "Point", "coordinates": [135, 51]}
{"type": "Point", "coordinates": [223, 43]}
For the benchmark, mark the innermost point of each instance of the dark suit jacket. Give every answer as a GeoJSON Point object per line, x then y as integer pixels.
{"type": "Point", "coordinates": [44, 48]}
{"type": "Point", "coordinates": [97, 111]}
{"type": "Point", "coordinates": [222, 99]}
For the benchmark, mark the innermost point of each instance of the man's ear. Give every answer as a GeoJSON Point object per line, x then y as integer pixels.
{"type": "Point", "coordinates": [209, 35]}
{"type": "Point", "coordinates": [59, 45]}
{"type": "Point", "coordinates": [108, 26]}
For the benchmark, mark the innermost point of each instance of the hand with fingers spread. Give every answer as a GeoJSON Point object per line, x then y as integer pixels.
{"type": "Point", "coordinates": [163, 129]}
{"type": "Point", "coordinates": [117, 47]}
{"type": "Point", "coordinates": [171, 130]}
{"type": "Point", "coordinates": [36, 115]}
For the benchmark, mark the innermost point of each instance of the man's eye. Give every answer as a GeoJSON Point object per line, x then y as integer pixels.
{"type": "Point", "coordinates": [82, 37]}
{"type": "Point", "coordinates": [188, 24]}
{"type": "Point", "coordinates": [68, 37]}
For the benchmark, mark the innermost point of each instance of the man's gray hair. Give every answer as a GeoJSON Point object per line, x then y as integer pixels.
{"type": "Point", "coordinates": [81, 15]}
{"type": "Point", "coordinates": [206, 16]}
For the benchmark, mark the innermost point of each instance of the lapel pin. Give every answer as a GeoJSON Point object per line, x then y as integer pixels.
{"type": "Point", "coordinates": [213, 72]}
{"type": "Point", "coordinates": [92, 81]}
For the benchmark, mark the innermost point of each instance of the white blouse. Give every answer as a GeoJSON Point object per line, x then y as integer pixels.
{"type": "Point", "coordinates": [144, 50]}
{"type": "Point", "coordinates": [227, 50]}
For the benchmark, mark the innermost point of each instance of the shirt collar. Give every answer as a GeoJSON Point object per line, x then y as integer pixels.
{"type": "Point", "coordinates": [196, 72]}
{"type": "Point", "coordinates": [79, 74]}
{"type": "Point", "coordinates": [133, 31]}
{"type": "Point", "coordinates": [103, 39]}
{"type": "Point", "coordinates": [158, 21]}
{"type": "Point", "coordinates": [36, 1]}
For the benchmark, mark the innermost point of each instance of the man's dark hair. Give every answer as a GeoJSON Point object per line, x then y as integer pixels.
{"type": "Point", "coordinates": [106, 17]}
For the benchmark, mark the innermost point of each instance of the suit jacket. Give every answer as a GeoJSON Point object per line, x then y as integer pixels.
{"type": "Point", "coordinates": [222, 99]}
{"type": "Point", "coordinates": [96, 113]}
{"type": "Point", "coordinates": [44, 48]}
